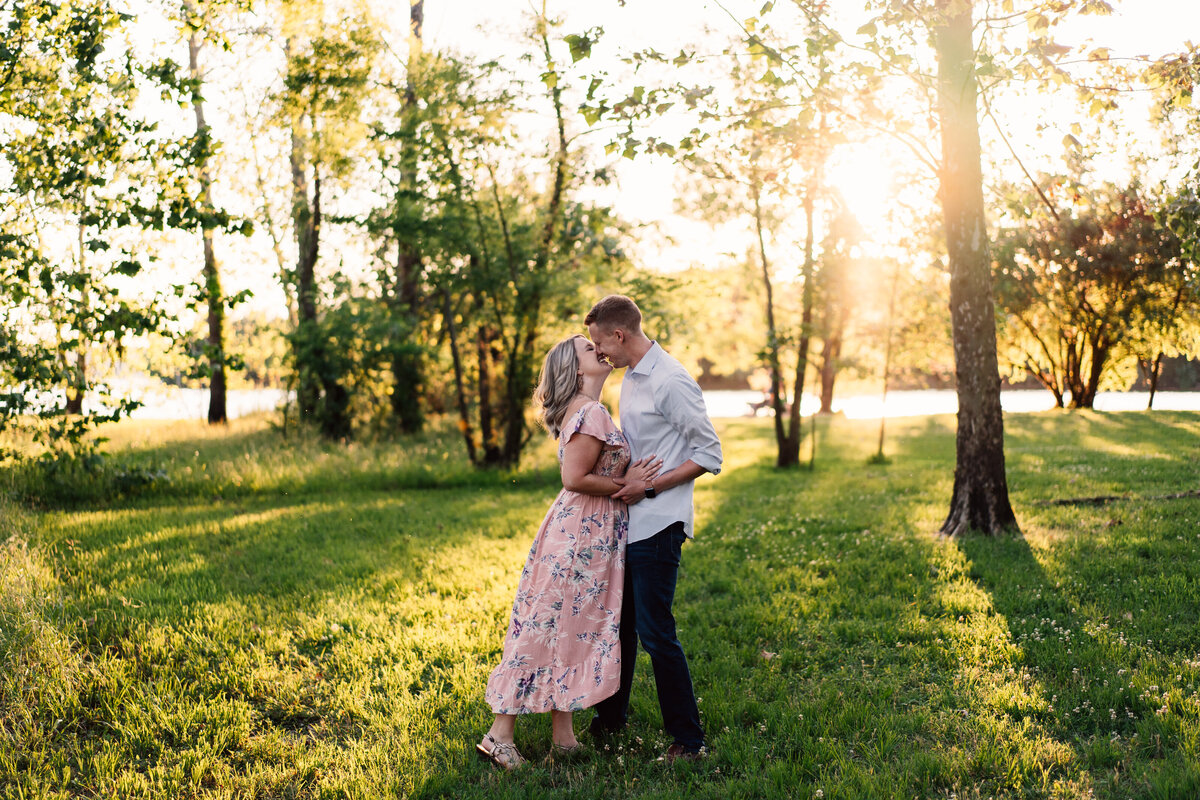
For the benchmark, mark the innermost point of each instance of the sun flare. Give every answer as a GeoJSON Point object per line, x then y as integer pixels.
{"type": "Point", "coordinates": [864, 176]}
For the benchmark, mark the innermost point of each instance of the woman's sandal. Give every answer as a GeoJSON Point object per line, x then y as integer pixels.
{"type": "Point", "coordinates": [502, 754]}
{"type": "Point", "coordinates": [564, 753]}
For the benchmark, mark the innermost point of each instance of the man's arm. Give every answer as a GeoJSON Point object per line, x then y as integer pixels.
{"type": "Point", "coordinates": [683, 406]}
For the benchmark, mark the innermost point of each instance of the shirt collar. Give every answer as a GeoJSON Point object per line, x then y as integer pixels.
{"type": "Point", "coordinates": [648, 361]}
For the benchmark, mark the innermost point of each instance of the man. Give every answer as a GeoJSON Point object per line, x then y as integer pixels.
{"type": "Point", "coordinates": [662, 413]}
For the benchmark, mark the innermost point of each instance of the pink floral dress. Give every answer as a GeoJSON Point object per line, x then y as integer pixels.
{"type": "Point", "coordinates": [562, 651]}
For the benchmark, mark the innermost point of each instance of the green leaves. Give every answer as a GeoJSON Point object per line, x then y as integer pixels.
{"type": "Point", "coordinates": [581, 44]}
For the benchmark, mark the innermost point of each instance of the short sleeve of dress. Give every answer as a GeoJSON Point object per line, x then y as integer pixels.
{"type": "Point", "coordinates": [594, 421]}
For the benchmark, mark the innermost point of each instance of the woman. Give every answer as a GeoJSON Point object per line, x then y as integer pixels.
{"type": "Point", "coordinates": [562, 651]}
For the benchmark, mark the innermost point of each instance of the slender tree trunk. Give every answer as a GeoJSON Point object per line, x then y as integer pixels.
{"type": "Point", "coordinates": [487, 430]}
{"type": "Point", "coordinates": [284, 274]}
{"type": "Point", "coordinates": [980, 498]}
{"type": "Point", "coordinates": [407, 361]}
{"type": "Point", "coordinates": [1152, 376]}
{"type": "Point", "coordinates": [1156, 369]}
{"type": "Point", "coordinates": [831, 351]}
{"type": "Point", "coordinates": [790, 455]}
{"type": "Point", "coordinates": [887, 359]}
{"type": "Point", "coordinates": [213, 296]}
{"type": "Point", "coordinates": [306, 220]}
{"type": "Point", "coordinates": [777, 401]}
{"type": "Point", "coordinates": [77, 386]}
{"type": "Point", "coordinates": [521, 374]}
{"type": "Point", "coordinates": [1048, 380]}
{"type": "Point", "coordinates": [460, 394]}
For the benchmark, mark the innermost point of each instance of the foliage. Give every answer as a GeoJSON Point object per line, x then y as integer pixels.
{"type": "Point", "coordinates": [328, 64]}
{"type": "Point", "coordinates": [87, 176]}
{"type": "Point", "coordinates": [506, 247]}
{"type": "Point", "coordinates": [325, 632]}
{"type": "Point", "coordinates": [1080, 289]}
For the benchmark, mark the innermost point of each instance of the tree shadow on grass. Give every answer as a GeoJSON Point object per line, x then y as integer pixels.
{"type": "Point", "coordinates": [812, 606]}
{"type": "Point", "coordinates": [164, 558]}
{"type": "Point", "coordinates": [326, 621]}
{"type": "Point", "coordinates": [1112, 677]}
{"type": "Point", "coordinates": [1099, 615]}
{"type": "Point", "coordinates": [243, 463]}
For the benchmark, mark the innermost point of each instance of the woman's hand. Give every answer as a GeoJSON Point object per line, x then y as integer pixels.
{"type": "Point", "coordinates": [644, 469]}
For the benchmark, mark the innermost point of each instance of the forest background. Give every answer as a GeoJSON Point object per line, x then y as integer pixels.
{"type": "Point", "coordinates": [386, 215]}
{"type": "Point", "coordinates": [324, 197]}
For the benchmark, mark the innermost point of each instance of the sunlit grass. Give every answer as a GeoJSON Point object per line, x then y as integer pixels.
{"type": "Point", "coordinates": [324, 628]}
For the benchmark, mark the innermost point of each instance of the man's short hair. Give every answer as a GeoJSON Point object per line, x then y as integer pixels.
{"type": "Point", "coordinates": [615, 311]}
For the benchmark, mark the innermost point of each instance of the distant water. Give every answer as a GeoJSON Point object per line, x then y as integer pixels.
{"type": "Point", "coordinates": [170, 402]}
{"type": "Point", "coordinates": [945, 401]}
{"type": "Point", "coordinates": [166, 402]}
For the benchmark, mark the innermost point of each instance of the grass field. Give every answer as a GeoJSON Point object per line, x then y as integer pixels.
{"type": "Point", "coordinates": [288, 619]}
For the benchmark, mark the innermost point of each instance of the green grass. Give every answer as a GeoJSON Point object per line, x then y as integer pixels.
{"type": "Point", "coordinates": [299, 620]}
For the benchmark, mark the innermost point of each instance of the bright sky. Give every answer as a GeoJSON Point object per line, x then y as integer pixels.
{"type": "Point", "coordinates": [646, 191]}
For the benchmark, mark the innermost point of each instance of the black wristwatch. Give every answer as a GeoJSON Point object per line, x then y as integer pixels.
{"type": "Point", "coordinates": [650, 493]}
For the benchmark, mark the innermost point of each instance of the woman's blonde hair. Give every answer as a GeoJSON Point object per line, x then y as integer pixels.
{"type": "Point", "coordinates": [559, 382]}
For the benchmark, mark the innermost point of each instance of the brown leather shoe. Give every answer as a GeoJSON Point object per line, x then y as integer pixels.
{"type": "Point", "coordinates": [677, 752]}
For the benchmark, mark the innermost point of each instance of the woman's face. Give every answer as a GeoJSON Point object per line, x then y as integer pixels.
{"type": "Point", "coordinates": [589, 363]}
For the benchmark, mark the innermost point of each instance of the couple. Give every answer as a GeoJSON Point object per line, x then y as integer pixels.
{"type": "Point", "coordinates": [585, 597]}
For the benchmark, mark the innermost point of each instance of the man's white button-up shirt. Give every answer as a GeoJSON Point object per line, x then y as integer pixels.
{"type": "Point", "coordinates": [663, 413]}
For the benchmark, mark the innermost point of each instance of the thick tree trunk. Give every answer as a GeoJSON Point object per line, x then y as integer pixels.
{"type": "Point", "coordinates": [213, 296]}
{"type": "Point", "coordinates": [1099, 358]}
{"type": "Point", "coordinates": [980, 498]}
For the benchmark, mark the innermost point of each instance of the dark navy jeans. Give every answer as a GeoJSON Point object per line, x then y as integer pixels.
{"type": "Point", "coordinates": [651, 569]}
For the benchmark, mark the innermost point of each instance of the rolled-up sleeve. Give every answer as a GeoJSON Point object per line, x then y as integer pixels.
{"type": "Point", "coordinates": [682, 404]}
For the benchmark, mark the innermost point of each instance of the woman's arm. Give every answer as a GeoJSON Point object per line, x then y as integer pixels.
{"type": "Point", "coordinates": [579, 459]}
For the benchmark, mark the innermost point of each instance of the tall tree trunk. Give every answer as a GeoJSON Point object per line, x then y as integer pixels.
{"type": "Point", "coordinates": [521, 374]}
{"type": "Point", "coordinates": [789, 456]}
{"type": "Point", "coordinates": [831, 351]}
{"type": "Point", "coordinates": [77, 385]}
{"type": "Point", "coordinates": [487, 430]}
{"type": "Point", "coordinates": [887, 359]}
{"type": "Point", "coordinates": [407, 362]}
{"type": "Point", "coordinates": [213, 296]}
{"type": "Point", "coordinates": [460, 394]}
{"type": "Point", "coordinates": [1155, 369]}
{"type": "Point", "coordinates": [837, 313]}
{"type": "Point", "coordinates": [777, 401]}
{"type": "Point", "coordinates": [306, 221]}
{"type": "Point", "coordinates": [980, 498]}
{"type": "Point", "coordinates": [1100, 350]}
{"type": "Point", "coordinates": [1152, 376]}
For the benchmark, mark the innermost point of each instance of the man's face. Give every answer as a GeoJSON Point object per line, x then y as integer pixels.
{"type": "Point", "coordinates": [610, 344]}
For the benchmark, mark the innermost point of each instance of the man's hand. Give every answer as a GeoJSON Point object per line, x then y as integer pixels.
{"type": "Point", "coordinates": [631, 491]}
